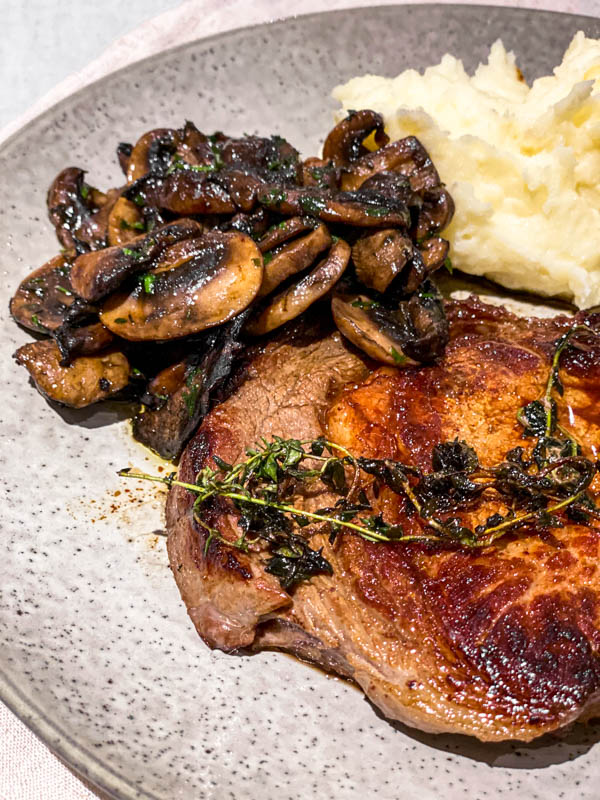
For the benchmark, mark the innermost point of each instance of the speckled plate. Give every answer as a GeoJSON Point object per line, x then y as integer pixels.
{"type": "Point", "coordinates": [97, 653]}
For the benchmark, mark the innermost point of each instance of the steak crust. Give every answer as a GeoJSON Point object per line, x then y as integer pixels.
{"type": "Point", "coordinates": [500, 643]}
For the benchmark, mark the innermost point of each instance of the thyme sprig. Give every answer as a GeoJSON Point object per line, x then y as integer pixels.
{"type": "Point", "coordinates": [262, 488]}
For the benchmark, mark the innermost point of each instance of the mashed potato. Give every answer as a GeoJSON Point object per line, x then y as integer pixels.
{"type": "Point", "coordinates": [522, 163]}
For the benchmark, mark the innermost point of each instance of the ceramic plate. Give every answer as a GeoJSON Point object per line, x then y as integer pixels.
{"type": "Point", "coordinates": [97, 653]}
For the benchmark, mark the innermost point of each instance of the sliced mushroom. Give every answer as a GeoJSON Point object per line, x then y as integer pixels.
{"type": "Point", "coordinates": [273, 159]}
{"type": "Point", "coordinates": [75, 209]}
{"type": "Point", "coordinates": [215, 284]}
{"type": "Point", "coordinates": [434, 252]}
{"type": "Point", "coordinates": [344, 143]}
{"type": "Point", "coordinates": [124, 150]}
{"type": "Point", "coordinates": [83, 340]}
{"type": "Point", "coordinates": [283, 231]}
{"type": "Point", "coordinates": [293, 258]}
{"type": "Point", "coordinates": [94, 275]}
{"type": "Point", "coordinates": [436, 213]}
{"type": "Point", "coordinates": [320, 173]}
{"type": "Point", "coordinates": [254, 224]}
{"type": "Point", "coordinates": [291, 302]}
{"type": "Point", "coordinates": [125, 222]}
{"type": "Point", "coordinates": [187, 191]}
{"type": "Point", "coordinates": [380, 256]}
{"type": "Point", "coordinates": [153, 152]}
{"type": "Point", "coordinates": [46, 298]}
{"type": "Point", "coordinates": [85, 381]}
{"type": "Point", "coordinates": [406, 156]}
{"type": "Point", "coordinates": [350, 208]}
{"type": "Point", "coordinates": [416, 331]}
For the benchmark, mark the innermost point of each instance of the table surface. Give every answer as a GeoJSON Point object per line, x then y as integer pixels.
{"type": "Point", "coordinates": [50, 48]}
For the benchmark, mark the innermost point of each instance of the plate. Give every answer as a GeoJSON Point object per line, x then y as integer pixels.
{"type": "Point", "coordinates": [97, 654]}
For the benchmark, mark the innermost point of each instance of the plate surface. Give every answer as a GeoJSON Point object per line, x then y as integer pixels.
{"type": "Point", "coordinates": [97, 654]}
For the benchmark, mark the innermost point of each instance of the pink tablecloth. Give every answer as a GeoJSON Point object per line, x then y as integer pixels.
{"type": "Point", "coordinates": [28, 771]}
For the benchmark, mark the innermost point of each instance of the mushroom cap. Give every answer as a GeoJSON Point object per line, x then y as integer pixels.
{"type": "Point", "coordinates": [344, 143]}
{"type": "Point", "coordinates": [219, 279]}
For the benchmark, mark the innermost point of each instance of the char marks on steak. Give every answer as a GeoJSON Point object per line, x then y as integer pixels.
{"type": "Point", "coordinates": [500, 643]}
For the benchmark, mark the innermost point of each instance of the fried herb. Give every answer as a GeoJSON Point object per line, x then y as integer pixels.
{"type": "Point", "coordinates": [262, 488]}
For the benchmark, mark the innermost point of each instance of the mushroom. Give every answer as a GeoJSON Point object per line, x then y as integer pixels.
{"type": "Point", "coordinates": [282, 231]}
{"type": "Point", "coordinates": [434, 252]}
{"type": "Point", "coordinates": [380, 256]}
{"type": "Point", "coordinates": [125, 222]}
{"type": "Point", "coordinates": [365, 210]}
{"type": "Point", "coordinates": [46, 298]}
{"type": "Point", "coordinates": [436, 213]}
{"type": "Point", "coordinates": [124, 150]}
{"type": "Point", "coordinates": [291, 302]}
{"type": "Point", "coordinates": [320, 173]}
{"type": "Point", "coordinates": [96, 274]}
{"type": "Point", "coordinates": [187, 191]}
{"type": "Point", "coordinates": [83, 340]}
{"type": "Point", "coordinates": [75, 210]}
{"type": "Point", "coordinates": [153, 152]}
{"type": "Point", "coordinates": [292, 258]}
{"type": "Point", "coordinates": [406, 156]}
{"type": "Point", "coordinates": [85, 381]}
{"type": "Point", "coordinates": [414, 332]}
{"type": "Point", "coordinates": [254, 224]}
{"type": "Point", "coordinates": [213, 285]}
{"type": "Point", "coordinates": [344, 143]}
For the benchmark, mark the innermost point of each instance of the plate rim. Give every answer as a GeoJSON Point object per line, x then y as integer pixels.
{"type": "Point", "coordinates": [75, 756]}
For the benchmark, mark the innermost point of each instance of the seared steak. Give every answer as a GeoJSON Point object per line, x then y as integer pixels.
{"type": "Point", "coordinates": [500, 643]}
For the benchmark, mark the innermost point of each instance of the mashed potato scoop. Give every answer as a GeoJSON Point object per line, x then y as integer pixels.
{"type": "Point", "coordinates": [522, 162]}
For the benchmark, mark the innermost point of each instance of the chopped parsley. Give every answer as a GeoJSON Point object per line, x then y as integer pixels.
{"type": "Point", "coordinates": [312, 205]}
{"type": "Point", "coordinates": [148, 280]}
{"type": "Point", "coordinates": [398, 357]}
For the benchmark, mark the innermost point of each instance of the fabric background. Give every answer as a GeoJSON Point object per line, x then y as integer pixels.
{"type": "Point", "coordinates": [28, 770]}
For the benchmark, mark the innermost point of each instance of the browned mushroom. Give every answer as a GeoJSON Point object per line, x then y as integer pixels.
{"type": "Point", "coordinates": [320, 173]}
{"type": "Point", "coordinates": [406, 156]}
{"type": "Point", "coordinates": [380, 256]}
{"type": "Point", "coordinates": [292, 258]}
{"type": "Point", "coordinates": [434, 252]}
{"type": "Point", "coordinates": [416, 331]}
{"type": "Point", "coordinates": [187, 191]}
{"type": "Point", "coordinates": [212, 286]}
{"type": "Point", "coordinates": [83, 340]}
{"type": "Point", "coordinates": [124, 150]}
{"type": "Point", "coordinates": [46, 298]}
{"type": "Point", "coordinates": [367, 210]}
{"type": "Point", "coordinates": [96, 274]}
{"type": "Point", "coordinates": [284, 231]}
{"type": "Point", "coordinates": [125, 222]}
{"type": "Point", "coordinates": [153, 152]}
{"type": "Point", "coordinates": [85, 381]}
{"type": "Point", "coordinates": [291, 302]}
{"type": "Point", "coordinates": [75, 209]}
{"type": "Point", "coordinates": [254, 224]}
{"type": "Point", "coordinates": [344, 143]}
{"type": "Point", "coordinates": [436, 213]}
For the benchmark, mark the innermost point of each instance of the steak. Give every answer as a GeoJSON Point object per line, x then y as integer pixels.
{"type": "Point", "coordinates": [499, 643]}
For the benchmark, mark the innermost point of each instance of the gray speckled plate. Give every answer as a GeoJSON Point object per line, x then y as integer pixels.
{"type": "Point", "coordinates": [97, 654]}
